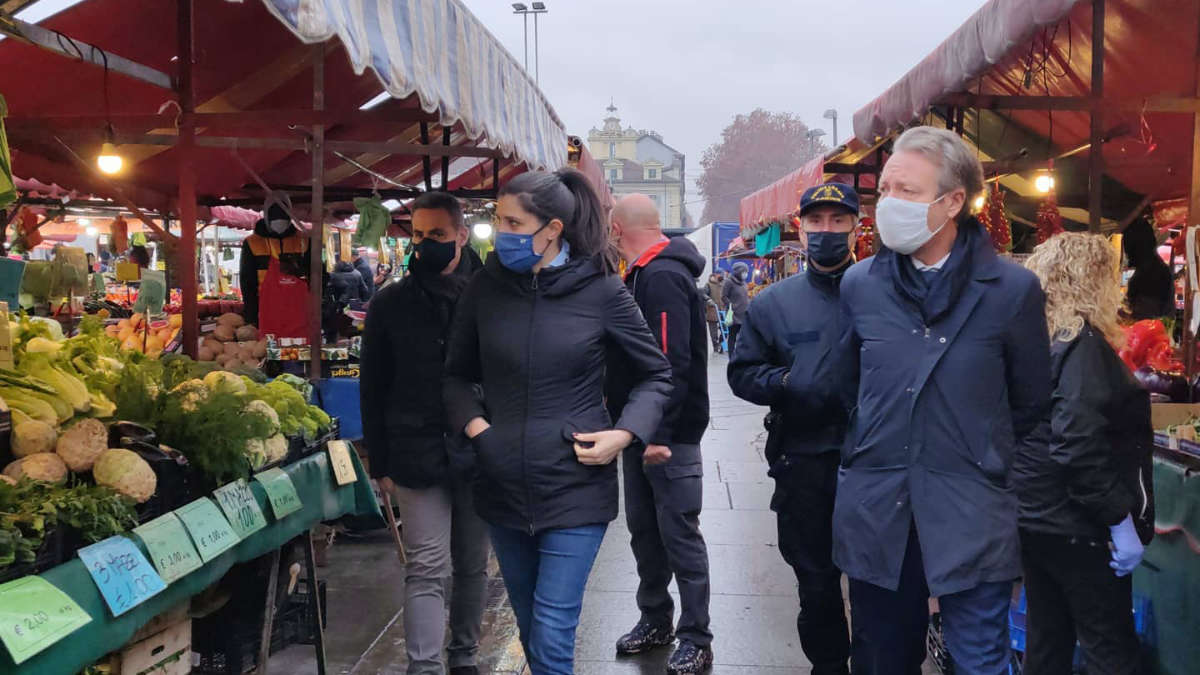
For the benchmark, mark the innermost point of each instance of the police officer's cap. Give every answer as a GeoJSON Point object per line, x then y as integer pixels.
{"type": "Point", "coordinates": [829, 194]}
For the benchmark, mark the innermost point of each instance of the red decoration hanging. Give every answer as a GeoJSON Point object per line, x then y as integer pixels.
{"type": "Point", "coordinates": [995, 220]}
{"type": "Point", "coordinates": [1049, 220]}
{"type": "Point", "coordinates": [864, 243]}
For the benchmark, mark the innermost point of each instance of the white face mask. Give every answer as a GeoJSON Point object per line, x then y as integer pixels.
{"type": "Point", "coordinates": [903, 225]}
{"type": "Point", "coordinates": [279, 226]}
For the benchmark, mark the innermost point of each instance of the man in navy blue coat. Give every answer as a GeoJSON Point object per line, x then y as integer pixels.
{"type": "Point", "coordinates": [947, 363]}
{"type": "Point", "coordinates": [783, 360]}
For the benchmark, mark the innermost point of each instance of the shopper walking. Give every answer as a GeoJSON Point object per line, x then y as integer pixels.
{"type": "Point", "coordinates": [664, 477]}
{"type": "Point", "coordinates": [1151, 291]}
{"type": "Point", "coordinates": [1087, 500]}
{"type": "Point", "coordinates": [347, 284]}
{"type": "Point", "coordinates": [947, 345]}
{"type": "Point", "coordinates": [363, 267]}
{"type": "Point", "coordinates": [412, 452]}
{"type": "Point", "coordinates": [736, 298]}
{"type": "Point", "coordinates": [785, 361]}
{"type": "Point", "coordinates": [712, 310]}
{"type": "Point", "coordinates": [531, 335]}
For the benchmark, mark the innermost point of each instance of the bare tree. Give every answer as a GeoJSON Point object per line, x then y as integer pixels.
{"type": "Point", "coordinates": [754, 151]}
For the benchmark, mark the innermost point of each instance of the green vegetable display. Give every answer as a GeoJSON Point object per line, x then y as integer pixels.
{"type": "Point", "coordinates": [29, 509]}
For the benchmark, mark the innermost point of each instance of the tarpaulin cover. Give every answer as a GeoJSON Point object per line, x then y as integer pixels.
{"type": "Point", "coordinates": [782, 197]}
{"type": "Point", "coordinates": [1170, 573]}
{"type": "Point", "coordinates": [438, 50]}
{"type": "Point", "coordinates": [983, 41]}
{"type": "Point", "coordinates": [322, 500]}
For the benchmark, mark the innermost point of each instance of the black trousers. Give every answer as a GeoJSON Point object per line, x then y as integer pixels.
{"type": "Point", "coordinates": [1071, 593]}
{"type": "Point", "coordinates": [805, 488]}
{"type": "Point", "coordinates": [733, 333]}
{"type": "Point", "coordinates": [662, 509]}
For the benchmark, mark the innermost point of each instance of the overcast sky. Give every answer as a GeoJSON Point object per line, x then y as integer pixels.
{"type": "Point", "coordinates": [685, 68]}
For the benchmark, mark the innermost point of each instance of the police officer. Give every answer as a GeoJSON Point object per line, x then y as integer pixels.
{"type": "Point", "coordinates": [785, 360]}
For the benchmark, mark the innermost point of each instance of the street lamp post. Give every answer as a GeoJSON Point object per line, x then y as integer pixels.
{"type": "Point", "coordinates": [814, 136]}
{"type": "Point", "coordinates": [831, 114]}
{"type": "Point", "coordinates": [525, 11]}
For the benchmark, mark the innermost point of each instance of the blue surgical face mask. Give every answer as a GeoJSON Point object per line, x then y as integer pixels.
{"type": "Point", "coordinates": [516, 250]}
{"type": "Point", "coordinates": [903, 225]}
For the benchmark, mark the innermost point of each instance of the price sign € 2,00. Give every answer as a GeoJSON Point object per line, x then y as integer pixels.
{"type": "Point", "coordinates": [123, 575]}
{"type": "Point", "coordinates": [35, 614]}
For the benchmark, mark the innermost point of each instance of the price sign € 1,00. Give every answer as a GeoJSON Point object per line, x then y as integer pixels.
{"type": "Point", "coordinates": [209, 529]}
{"type": "Point", "coordinates": [123, 575]}
{"type": "Point", "coordinates": [35, 614]}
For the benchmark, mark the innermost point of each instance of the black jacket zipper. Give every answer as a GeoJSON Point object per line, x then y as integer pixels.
{"type": "Point", "coordinates": [525, 423]}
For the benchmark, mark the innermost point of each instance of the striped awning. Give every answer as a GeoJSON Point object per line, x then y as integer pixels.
{"type": "Point", "coordinates": [439, 51]}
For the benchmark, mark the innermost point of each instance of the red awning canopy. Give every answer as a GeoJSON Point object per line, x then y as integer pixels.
{"type": "Point", "coordinates": [1011, 53]}
{"type": "Point", "coordinates": [253, 80]}
{"type": "Point", "coordinates": [781, 198]}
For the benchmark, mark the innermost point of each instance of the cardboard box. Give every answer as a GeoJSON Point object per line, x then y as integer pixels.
{"type": "Point", "coordinates": [168, 652]}
{"type": "Point", "coordinates": [1163, 415]}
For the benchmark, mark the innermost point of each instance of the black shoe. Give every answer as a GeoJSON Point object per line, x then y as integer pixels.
{"type": "Point", "coordinates": [689, 658]}
{"type": "Point", "coordinates": [465, 670]}
{"type": "Point", "coordinates": [643, 638]}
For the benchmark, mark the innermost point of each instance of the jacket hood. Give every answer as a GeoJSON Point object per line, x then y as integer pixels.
{"type": "Point", "coordinates": [343, 267]}
{"type": "Point", "coordinates": [683, 250]}
{"type": "Point", "coordinates": [261, 229]}
{"type": "Point", "coordinates": [554, 281]}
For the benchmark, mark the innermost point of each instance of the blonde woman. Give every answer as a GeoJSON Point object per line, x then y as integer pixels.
{"type": "Point", "coordinates": [1086, 498]}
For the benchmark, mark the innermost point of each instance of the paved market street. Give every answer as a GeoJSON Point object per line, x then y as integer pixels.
{"type": "Point", "coordinates": [753, 602]}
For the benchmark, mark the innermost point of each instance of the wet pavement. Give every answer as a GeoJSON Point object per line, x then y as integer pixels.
{"type": "Point", "coordinates": [753, 605]}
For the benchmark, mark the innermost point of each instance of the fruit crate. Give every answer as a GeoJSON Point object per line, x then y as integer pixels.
{"type": "Point", "coordinates": [227, 642]}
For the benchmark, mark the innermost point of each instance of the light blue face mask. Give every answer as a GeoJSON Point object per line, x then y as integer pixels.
{"type": "Point", "coordinates": [516, 250]}
{"type": "Point", "coordinates": [903, 225]}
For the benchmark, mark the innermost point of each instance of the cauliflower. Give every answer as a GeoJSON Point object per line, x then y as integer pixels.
{"type": "Point", "coordinates": [43, 466]}
{"type": "Point", "coordinates": [276, 448]}
{"type": "Point", "coordinates": [262, 408]}
{"type": "Point", "coordinates": [256, 452]}
{"type": "Point", "coordinates": [191, 393]}
{"type": "Point", "coordinates": [226, 381]}
{"type": "Point", "coordinates": [31, 437]}
{"type": "Point", "coordinates": [82, 444]}
{"type": "Point", "coordinates": [126, 472]}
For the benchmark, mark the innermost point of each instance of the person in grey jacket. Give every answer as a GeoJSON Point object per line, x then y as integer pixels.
{"type": "Point", "coordinates": [736, 297]}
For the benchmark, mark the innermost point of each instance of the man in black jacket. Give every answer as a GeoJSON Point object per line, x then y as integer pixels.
{"type": "Point", "coordinates": [663, 478]}
{"type": "Point", "coordinates": [783, 360]}
{"type": "Point", "coordinates": [412, 453]}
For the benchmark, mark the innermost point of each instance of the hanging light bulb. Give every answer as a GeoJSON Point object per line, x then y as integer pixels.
{"type": "Point", "coordinates": [482, 230]}
{"type": "Point", "coordinates": [979, 202]}
{"type": "Point", "coordinates": [91, 230]}
{"type": "Point", "coordinates": [108, 160]}
{"type": "Point", "coordinates": [1044, 183]}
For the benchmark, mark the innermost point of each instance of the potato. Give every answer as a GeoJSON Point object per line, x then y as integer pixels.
{"type": "Point", "coordinates": [232, 320]}
{"type": "Point", "coordinates": [250, 363]}
{"type": "Point", "coordinates": [212, 343]}
{"type": "Point", "coordinates": [222, 359]}
{"type": "Point", "coordinates": [205, 354]}
{"type": "Point", "coordinates": [260, 349]}
{"type": "Point", "coordinates": [246, 334]}
{"type": "Point", "coordinates": [232, 349]}
{"type": "Point", "coordinates": [224, 332]}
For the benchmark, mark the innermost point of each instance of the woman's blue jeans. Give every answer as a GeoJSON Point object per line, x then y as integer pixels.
{"type": "Point", "coordinates": [545, 575]}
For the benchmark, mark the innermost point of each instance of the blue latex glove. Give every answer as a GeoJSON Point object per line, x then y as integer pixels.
{"type": "Point", "coordinates": [1127, 547]}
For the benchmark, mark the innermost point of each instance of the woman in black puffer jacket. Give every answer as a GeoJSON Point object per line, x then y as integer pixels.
{"type": "Point", "coordinates": [1086, 492]}
{"type": "Point", "coordinates": [531, 332]}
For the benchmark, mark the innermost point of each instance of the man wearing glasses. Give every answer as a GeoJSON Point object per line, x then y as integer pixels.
{"type": "Point", "coordinates": [785, 360]}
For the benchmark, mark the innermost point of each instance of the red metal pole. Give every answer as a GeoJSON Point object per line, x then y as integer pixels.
{"type": "Point", "coordinates": [186, 258]}
{"type": "Point", "coordinates": [317, 233]}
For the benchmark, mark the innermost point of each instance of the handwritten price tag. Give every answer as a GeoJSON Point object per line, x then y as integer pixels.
{"type": "Point", "coordinates": [171, 549]}
{"type": "Point", "coordinates": [339, 459]}
{"type": "Point", "coordinates": [240, 507]}
{"type": "Point", "coordinates": [123, 575]}
{"type": "Point", "coordinates": [35, 614]}
{"type": "Point", "coordinates": [210, 531]}
{"type": "Point", "coordinates": [280, 490]}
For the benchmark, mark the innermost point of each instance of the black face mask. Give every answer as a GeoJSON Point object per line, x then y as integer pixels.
{"type": "Point", "coordinates": [431, 257]}
{"type": "Point", "coordinates": [828, 249]}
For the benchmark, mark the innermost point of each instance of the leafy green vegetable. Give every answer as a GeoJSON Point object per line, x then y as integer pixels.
{"type": "Point", "coordinates": [30, 509]}
{"type": "Point", "coordinates": [212, 432]}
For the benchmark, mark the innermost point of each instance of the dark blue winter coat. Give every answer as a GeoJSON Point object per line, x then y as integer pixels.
{"type": "Point", "coordinates": [940, 409]}
{"type": "Point", "coordinates": [791, 329]}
